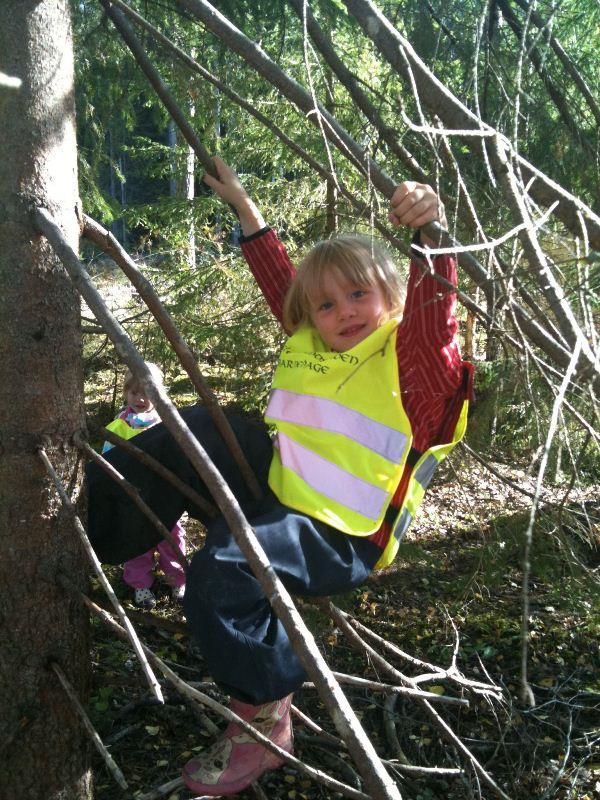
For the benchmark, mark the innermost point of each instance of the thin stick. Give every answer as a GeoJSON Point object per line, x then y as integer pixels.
{"type": "Point", "coordinates": [134, 494]}
{"type": "Point", "coordinates": [108, 759]}
{"type": "Point", "coordinates": [159, 85]}
{"type": "Point", "coordinates": [130, 632]}
{"type": "Point", "coordinates": [162, 791]}
{"type": "Point", "coordinates": [108, 243]}
{"type": "Point", "coordinates": [151, 462]}
{"type": "Point", "coordinates": [389, 725]}
{"type": "Point", "coordinates": [389, 688]}
{"type": "Point", "coordinates": [527, 695]}
{"type": "Point", "coordinates": [437, 673]}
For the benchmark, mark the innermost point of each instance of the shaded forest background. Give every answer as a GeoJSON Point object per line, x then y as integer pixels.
{"type": "Point", "coordinates": [514, 64]}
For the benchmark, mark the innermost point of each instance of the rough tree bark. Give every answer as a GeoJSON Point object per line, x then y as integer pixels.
{"type": "Point", "coordinates": [43, 752]}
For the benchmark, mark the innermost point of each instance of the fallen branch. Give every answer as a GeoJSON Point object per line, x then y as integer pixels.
{"type": "Point", "coordinates": [199, 697]}
{"type": "Point", "coordinates": [108, 759]}
{"type": "Point", "coordinates": [108, 243]}
{"type": "Point", "coordinates": [359, 644]}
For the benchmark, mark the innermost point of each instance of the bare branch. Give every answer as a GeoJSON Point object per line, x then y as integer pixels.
{"type": "Point", "coordinates": [378, 782]}
{"type": "Point", "coordinates": [135, 496]}
{"type": "Point", "coordinates": [104, 582]}
{"type": "Point", "coordinates": [159, 85]}
{"type": "Point", "coordinates": [98, 744]}
{"type": "Point", "coordinates": [107, 242]}
{"type": "Point", "coordinates": [160, 469]}
{"type": "Point", "coordinates": [455, 114]}
{"type": "Point", "coordinates": [526, 692]}
{"type": "Point", "coordinates": [567, 63]}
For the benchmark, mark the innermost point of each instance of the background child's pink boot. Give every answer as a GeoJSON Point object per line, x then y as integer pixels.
{"type": "Point", "coordinates": [236, 760]}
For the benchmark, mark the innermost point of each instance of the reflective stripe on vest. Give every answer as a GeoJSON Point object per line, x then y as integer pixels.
{"type": "Point", "coordinates": [328, 415]}
{"type": "Point", "coordinates": [332, 481]}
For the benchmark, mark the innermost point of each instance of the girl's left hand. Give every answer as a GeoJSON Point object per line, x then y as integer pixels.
{"type": "Point", "coordinates": [416, 204]}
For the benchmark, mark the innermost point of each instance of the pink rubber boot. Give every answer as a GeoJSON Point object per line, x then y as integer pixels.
{"type": "Point", "coordinates": [236, 760]}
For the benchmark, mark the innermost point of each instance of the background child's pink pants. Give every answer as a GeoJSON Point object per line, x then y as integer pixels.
{"type": "Point", "coordinates": [138, 572]}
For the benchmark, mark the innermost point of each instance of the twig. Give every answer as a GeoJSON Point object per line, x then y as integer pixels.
{"type": "Point", "coordinates": [108, 759]}
{"type": "Point", "coordinates": [145, 458]}
{"type": "Point", "coordinates": [159, 85]}
{"type": "Point", "coordinates": [109, 244]}
{"type": "Point", "coordinates": [9, 82]}
{"type": "Point", "coordinates": [437, 673]}
{"type": "Point", "coordinates": [131, 634]}
{"type": "Point", "coordinates": [377, 781]}
{"type": "Point", "coordinates": [389, 726]}
{"type": "Point", "coordinates": [403, 691]}
{"type": "Point", "coordinates": [527, 695]}
{"type": "Point", "coordinates": [496, 472]}
{"type": "Point", "coordinates": [162, 791]}
{"type": "Point", "coordinates": [381, 663]}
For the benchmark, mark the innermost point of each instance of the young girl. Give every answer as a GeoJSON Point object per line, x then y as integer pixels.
{"type": "Point", "coordinates": [364, 406]}
{"type": "Point", "coordinates": [137, 415]}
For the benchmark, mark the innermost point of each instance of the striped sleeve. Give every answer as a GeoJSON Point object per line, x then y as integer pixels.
{"type": "Point", "coordinates": [271, 266]}
{"type": "Point", "coordinates": [427, 346]}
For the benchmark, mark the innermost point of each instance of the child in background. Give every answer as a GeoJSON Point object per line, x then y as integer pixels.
{"type": "Point", "coordinates": [137, 415]}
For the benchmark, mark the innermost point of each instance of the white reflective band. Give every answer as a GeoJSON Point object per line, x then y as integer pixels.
{"type": "Point", "coordinates": [426, 471]}
{"type": "Point", "coordinates": [327, 415]}
{"type": "Point", "coordinates": [402, 524]}
{"type": "Point", "coordinates": [331, 480]}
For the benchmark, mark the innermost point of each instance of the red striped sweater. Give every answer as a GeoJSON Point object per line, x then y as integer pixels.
{"type": "Point", "coordinates": [429, 360]}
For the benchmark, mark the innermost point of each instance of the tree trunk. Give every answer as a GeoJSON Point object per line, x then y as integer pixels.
{"type": "Point", "coordinates": [43, 753]}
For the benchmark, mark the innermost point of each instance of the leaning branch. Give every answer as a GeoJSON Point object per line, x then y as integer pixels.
{"type": "Point", "coordinates": [131, 491]}
{"type": "Point", "coordinates": [104, 582]}
{"type": "Point", "coordinates": [241, 44]}
{"type": "Point", "coordinates": [376, 779]}
{"type": "Point", "coordinates": [150, 462]}
{"type": "Point", "coordinates": [108, 243]}
{"type": "Point", "coordinates": [565, 60]}
{"type": "Point", "coordinates": [398, 51]}
{"type": "Point", "coordinates": [197, 696]}
{"type": "Point", "coordinates": [92, 733]}
{"type": "Point", "coordinates": [159, 86]}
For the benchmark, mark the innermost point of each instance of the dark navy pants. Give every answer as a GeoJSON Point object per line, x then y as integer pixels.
{"type": "Point", "coordinates": [244, 643]}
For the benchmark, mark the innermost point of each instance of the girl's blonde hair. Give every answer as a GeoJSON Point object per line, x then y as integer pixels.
{"type": "Point", "coordinates": [356, 259]}
{"type": "Point", "coordinates": [131, 381]}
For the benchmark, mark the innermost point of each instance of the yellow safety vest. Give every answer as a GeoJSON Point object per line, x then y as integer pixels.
{"type": "Point", "coordinates": [343, 436]}
{"type": "Point", "coordinates": [123, 429]}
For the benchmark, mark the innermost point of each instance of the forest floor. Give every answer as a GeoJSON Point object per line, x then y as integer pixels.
{"type": "Point", "coordinates": [456, 586]}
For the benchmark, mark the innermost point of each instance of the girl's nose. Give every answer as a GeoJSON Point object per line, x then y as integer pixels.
{"type": "Point", "coordinates": [346, 310]}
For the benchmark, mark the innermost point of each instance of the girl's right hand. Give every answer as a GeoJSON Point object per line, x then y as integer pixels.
{"type": "Point", "coordinates": [228, 185]}
{"type": "Point", "coordinates": [229, 188]}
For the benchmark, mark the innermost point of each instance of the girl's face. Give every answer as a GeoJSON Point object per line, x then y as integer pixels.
{"type": "Point", "coordinates": [345, 313]}
{"type": "Point", "coordinates": [137, 399]}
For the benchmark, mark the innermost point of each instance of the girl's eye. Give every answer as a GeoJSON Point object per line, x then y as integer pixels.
{"type": "Point", "coordinates": [358, 293]}
{"type": "Point", "coordinates": [325, 306]}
